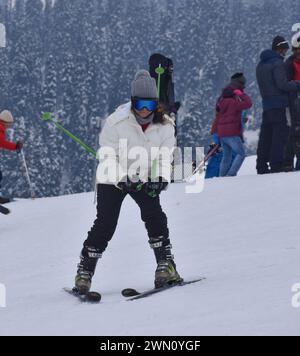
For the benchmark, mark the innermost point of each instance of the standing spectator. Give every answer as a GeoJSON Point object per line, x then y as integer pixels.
{"type": "Point", "coordinates": [293, 73]}
{"type": "Point", "coordinates": [274, 88]}
{"type": "Point", "coordinates": [229, 125]}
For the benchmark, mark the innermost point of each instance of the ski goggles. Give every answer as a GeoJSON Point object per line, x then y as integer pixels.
{"type": "Point", "coordinates": [149, 104]}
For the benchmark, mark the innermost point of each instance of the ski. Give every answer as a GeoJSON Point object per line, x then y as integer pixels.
{"type": "Point", "coordinates": [4, 210]}
{"type": "Point", "coordinates": [90, 297]}
{"type": "Point", "coordinates": [133, 294]}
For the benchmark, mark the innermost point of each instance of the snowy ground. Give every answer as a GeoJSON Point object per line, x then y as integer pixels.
{"type": "Point", "coordinates": [241, 233]}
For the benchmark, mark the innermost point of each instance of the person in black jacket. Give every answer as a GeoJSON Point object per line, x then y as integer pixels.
{"type": "Point", "coordinates": [274, 88]}
{"type": "Point", "coordinates": [293, 73]}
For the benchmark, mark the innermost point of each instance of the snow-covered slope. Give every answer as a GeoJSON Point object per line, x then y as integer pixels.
{"type": "Point", "coordinates": [241, 233]}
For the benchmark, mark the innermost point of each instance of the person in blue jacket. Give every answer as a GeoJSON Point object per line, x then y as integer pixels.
{"type": "Point", "coordinates": [275, 87]}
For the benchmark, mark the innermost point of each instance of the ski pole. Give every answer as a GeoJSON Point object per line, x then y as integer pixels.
{"type": "Point", "coordinates": [27, 175]}
{"type": "Point", "coordinates": [201, 165]}
{"type": "Point", "coordinates": [46, 116]}
{"type": "Point", "coordinates": [159, 71]}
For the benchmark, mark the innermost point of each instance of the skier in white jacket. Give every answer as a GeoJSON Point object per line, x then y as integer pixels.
{"type": "Point", "coordinates": [135, 155]}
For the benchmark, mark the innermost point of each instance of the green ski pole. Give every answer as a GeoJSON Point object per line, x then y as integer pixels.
{"type": "Point", "coordinates": [46, 116]}
{"type": "Point", "coordinates": [159, 71]}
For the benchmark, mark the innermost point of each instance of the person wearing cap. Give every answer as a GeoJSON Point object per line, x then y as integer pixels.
{"type": "Point", "coordinates": [275, 88]}
{"type": "Point", "coordinates": [293, 73]}
{"type": "Point", "coordinates": [144, 125]}
{"type": "Point", "coordinates": [6, 121]}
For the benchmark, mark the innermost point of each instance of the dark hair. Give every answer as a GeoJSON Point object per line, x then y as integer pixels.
{"type": "Point", "coordinates": [237, 75]}
{"type": "Point", "coordinates": [159, 115]}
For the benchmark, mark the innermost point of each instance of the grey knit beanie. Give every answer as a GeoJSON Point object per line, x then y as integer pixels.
{"type": "Point", "coordinates": [144, 86]}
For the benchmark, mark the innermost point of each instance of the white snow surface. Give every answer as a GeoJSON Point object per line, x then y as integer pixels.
{"type": "Point", "coordinates": [241, 233]}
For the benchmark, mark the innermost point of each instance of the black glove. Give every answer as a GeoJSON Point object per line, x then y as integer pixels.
{"type": "Point", "coordinates": [20, 145]}
{"type": "Point", "coordinates": [212, 146]}
{"type": "Point", "coordinates": [153, 189]}
{"type": "Point", "coordinates": [130, 187]}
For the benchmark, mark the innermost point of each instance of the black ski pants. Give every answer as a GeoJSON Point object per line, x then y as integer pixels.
{"type": "Point", "coordinates": [272, 141]}
{"type": "Point", "coordinates": [109, 202]}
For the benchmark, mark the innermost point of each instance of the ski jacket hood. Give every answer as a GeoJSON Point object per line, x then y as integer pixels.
{"type": "Point", "coordinates": [270, 55]}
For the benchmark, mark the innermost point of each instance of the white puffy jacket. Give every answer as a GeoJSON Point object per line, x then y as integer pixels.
{"type": "Point", "coordinates": [126, 150]}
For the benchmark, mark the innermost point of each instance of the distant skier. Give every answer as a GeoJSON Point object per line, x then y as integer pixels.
{"type": "Point", "coordinates": [6, 121]}
{"type": "Point", "coordinates": [229, 128]}
{"type": "Point", "coordinates": [274, 88]}
{"type": "Point", "coordinates": [144, 125]}
{"type": "Point", "coordinates": [293, 73]}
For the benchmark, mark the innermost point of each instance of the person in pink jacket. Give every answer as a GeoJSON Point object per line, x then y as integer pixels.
{"type": "Point", "coordinates": [229, 126]}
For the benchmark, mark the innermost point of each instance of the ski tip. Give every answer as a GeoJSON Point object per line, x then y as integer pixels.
{"type": "Point", "coordinates": [90, 297]}
{"type": "Point", "coordinates": [129, 292]}
{"type": "Point", "coordinates": [93, 297]}
{"type": "Point", "coordinates": [4, 211]}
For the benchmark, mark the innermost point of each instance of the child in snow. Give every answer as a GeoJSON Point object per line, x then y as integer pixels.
{"type": "Point", "coordinates": [144, 126]}
{"type": "Point", "coordinates": [6, 121]}
{"type": "Point", "coordinates": [213, 166]}
{"type": "Point", "coordinates": [229, 125]}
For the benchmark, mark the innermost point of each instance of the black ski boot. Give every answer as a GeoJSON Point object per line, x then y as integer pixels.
{"type": "Point", "coordinates": [166, 273]}
{"type": "Point", "coordinates": [86, 269]}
